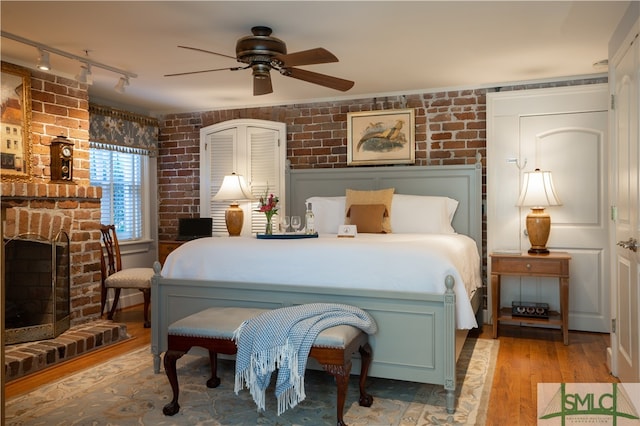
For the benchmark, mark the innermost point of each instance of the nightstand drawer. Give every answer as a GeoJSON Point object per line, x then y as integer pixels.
{"type": "Point", "coordinates": [526, 266]}
{"type": "Point", "coordinates": [165, 248]}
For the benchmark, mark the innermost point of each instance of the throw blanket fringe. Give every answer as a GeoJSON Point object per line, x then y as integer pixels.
{"type": "Point", "coordinates": [282, 339]}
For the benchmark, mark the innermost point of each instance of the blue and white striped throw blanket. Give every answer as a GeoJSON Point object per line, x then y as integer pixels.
{"type": "Point", "coordinates": [282, 338]}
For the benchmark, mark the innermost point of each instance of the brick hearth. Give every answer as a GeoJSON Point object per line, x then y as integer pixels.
{"type": "Point", "coordinates": [26, 358]}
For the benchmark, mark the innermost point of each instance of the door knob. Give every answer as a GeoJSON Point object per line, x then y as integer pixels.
{"type": "Point", "coordinates": [631, 244]}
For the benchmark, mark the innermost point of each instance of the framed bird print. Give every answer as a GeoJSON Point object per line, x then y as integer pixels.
{"type": "Point", "coordinates": [381, 137]}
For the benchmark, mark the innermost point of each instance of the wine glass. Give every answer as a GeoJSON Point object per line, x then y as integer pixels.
{"type": "Point", "coordinates": [285, 221]}
{"type": "Point", "coordinates": [296, 223]}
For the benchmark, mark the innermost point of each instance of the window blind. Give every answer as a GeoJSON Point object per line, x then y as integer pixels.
{"type": "Point", "coordinates": [119, 174]}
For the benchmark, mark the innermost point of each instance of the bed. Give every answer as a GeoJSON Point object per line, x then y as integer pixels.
{"type": "Point", "coordinates": [423, 288]}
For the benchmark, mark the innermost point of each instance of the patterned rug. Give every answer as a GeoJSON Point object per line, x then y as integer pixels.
{"type": "Point", "coordinates": [125, 391]}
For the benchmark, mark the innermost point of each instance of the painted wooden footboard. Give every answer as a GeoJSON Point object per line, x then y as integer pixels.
{"type": "Point", "coordinates": [416, 339]}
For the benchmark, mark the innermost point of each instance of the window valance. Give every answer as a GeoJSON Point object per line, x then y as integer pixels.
{"type": "Point", "coordinates": [124, 131]}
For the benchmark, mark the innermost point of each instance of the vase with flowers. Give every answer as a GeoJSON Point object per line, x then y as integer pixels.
{"type": "Point", "coordinates": [268, 204]}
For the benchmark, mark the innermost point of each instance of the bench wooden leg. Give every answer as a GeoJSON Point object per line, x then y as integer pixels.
{"type": "Point", "coordinates": [341, 374]}
{"type": "Point", "coordinates": [366, 356]}
{"type": "Point", "coordinates": [170, 359]}
{"type": "Point", "coordinates": [214, 381]}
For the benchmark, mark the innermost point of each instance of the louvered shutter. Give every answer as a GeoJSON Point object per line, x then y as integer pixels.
{"type": "Point", "coordinates": [264, 172]}
{"type": "Point", "coordinates": [220, 148]}
{"type": "Point", "coordinates": [255, 149]}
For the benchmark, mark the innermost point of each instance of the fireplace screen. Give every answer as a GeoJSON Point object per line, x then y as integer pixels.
{"type": "Point", "coordinates": [37, 284]}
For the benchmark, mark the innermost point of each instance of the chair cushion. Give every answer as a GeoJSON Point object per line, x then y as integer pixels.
{"type": "Point", "coordinates": [130, 278]}
{"type": "Point", "coordinates": [221, 322]}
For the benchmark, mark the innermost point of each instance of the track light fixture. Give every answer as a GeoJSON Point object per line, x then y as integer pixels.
{"type": "Point", "coordinates": [43, 63]}
{"type": "Point", "coordinates": [122, 83]}
{"type": "Point", "coordinates": [43, 60]}
{"type": "Point", "coordinates": [85, 76]}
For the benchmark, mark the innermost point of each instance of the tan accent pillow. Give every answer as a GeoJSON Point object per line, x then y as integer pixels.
{"type": "Point", "coordinates": [381, 196]}
{"type": "Point", "coordinates": [368, 217]}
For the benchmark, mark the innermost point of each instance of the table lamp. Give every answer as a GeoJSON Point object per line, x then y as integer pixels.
{"type": "Point", "coordinates": [538, 192]}
{"type": "Point", "coordinates": [234, 188]}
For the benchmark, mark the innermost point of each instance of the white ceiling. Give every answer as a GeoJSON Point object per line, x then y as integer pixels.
{"type": "Point", "coordinates": [386, 47]}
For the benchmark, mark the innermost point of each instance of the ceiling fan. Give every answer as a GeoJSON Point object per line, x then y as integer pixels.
{"type": "Point", "coordinates": [262, 53]}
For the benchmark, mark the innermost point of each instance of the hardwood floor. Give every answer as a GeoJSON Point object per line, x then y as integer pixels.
{"type": "Point", "coordinates": [527, 356]}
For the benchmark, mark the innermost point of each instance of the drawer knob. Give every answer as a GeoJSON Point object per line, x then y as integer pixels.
{"type": "Point", "coordinates": [528, 266]}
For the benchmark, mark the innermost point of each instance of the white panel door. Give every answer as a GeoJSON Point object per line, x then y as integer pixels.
{"type": "Point", "coordinates": [572, 147]}
{"type": "Point", "coordinates": [625, 343]}
{"type": "Point", "coordinates": [563, 130]}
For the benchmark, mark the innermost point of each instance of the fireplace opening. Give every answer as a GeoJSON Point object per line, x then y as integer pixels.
{"type": "Point", "coordinates": [37, 285]}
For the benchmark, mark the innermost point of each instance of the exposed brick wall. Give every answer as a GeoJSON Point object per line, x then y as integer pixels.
{"type": "Point", "coordinates": [60, 106]}
{"type": "Point", "coordinates": [450, 129]}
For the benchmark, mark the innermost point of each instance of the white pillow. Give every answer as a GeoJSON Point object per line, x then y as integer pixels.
{"type": "Point", "coordinates": [328, 213]}
{"type": "Point", "coordinates": [416, 214]}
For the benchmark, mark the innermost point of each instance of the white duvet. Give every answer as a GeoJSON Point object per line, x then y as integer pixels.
{"type": "Point", "coordinates": [398, 262]}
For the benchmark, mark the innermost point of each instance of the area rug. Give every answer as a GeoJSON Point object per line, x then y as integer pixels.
{"type": "Point", "coordinates": [125, 391]}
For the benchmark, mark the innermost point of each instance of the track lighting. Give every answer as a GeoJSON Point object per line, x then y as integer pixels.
{"type": "Point", "coordinates": [43, 60]}
{"type": "Point", "coordinates": [122, 83]}
{"type": "Point", "coordinates": [85, 75]}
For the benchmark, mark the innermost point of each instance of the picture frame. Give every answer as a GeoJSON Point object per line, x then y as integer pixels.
{"type": "Point", "coordinates": [381, 137]}
{"type": "Point", "coordinates": [15, 124]}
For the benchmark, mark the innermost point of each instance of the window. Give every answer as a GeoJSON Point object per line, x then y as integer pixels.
{"type": "Point", "coordinates": [121, 176]}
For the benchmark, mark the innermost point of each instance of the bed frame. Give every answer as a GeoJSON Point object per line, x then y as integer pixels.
{"type": "Point", "coordinates": [417, 338]}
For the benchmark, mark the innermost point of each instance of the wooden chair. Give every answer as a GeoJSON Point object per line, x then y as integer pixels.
{"type": "Point", "coordinates": [113, 276]}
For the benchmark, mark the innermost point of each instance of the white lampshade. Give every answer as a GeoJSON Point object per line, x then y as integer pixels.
{"type": "Point", "coordinates": [234, 188]}
{"type": "Point", "coordinates": [538, 190]}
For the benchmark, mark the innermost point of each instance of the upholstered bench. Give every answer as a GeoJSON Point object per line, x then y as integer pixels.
{"type": "Point", "coordinates": [213, 328]}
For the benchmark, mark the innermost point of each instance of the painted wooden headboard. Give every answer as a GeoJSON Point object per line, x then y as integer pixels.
{"type": "Point", "coordinates": [460, 182]}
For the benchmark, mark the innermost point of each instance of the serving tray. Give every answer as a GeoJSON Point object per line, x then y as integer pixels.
{"type": "Point", "coordinates": [285, 236]}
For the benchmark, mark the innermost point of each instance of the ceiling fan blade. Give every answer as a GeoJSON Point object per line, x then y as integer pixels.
{"type": "Point", "coordinates": [203, 71]}
{"type": "Point", "coordinates": [262, 84]}
{"type": "Point", "coordinates": [306, 57]}
{"type": "Point", "coordinates": [207, 51]}
{"type": "Point", "coordinates": [321, 79]}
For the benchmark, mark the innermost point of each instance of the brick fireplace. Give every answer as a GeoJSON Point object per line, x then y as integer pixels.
{"type": "Point", "coordinates": [36, 285]}
{"type": "Point", "coordinates": [59, 107]}
{"type": "Point", "coordinates": [46, 209]}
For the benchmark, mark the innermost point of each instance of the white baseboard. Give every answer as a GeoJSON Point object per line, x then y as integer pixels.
{"type": "Point", "coordinates": [127, 299]}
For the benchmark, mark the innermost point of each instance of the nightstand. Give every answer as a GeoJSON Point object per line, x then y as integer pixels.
{"type": "Point", "coordinates": [554, 265]}
{"type": "Point", "coordinates": [165, 248]}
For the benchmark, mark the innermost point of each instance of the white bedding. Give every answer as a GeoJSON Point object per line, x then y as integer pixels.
{"type": "Point", "coordinates": [398, 262]}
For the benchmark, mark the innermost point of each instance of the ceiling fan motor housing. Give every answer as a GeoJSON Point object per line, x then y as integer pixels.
{"type": "Point", "coordinates": [260, 47]}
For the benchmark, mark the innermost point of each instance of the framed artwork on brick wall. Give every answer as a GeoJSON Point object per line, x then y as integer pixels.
{"type": "Point", "coordinates": [381, 137]}
{"type": "Point", "coordinates": [15, 124]}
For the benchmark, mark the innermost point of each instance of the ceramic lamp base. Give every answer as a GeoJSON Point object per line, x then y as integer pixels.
{"type": "Point", "coordinates": [538, 228]}
{"type": "Point", "coordinates": [234, 218]}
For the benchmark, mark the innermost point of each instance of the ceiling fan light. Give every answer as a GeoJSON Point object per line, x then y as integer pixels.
{"type": "Point", "coordinates": [261, 71]}
{"type": "Point", "coordinates": [43, 60]}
